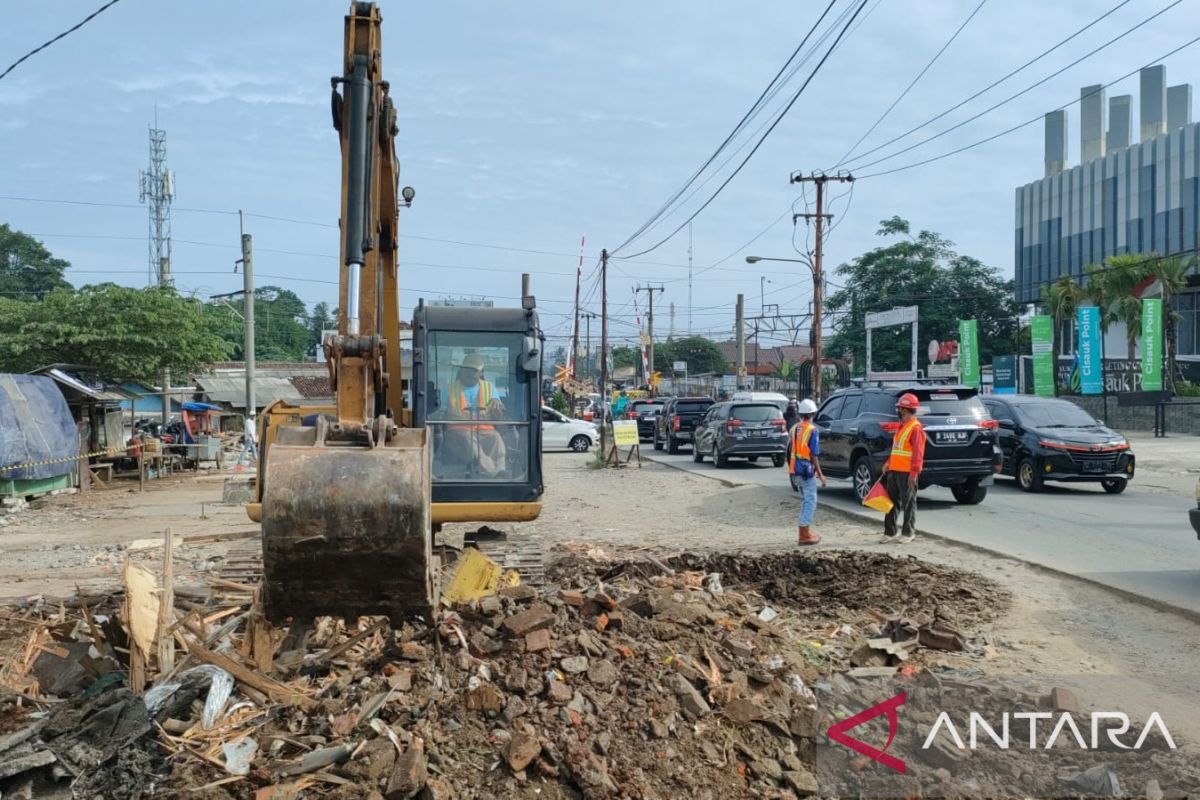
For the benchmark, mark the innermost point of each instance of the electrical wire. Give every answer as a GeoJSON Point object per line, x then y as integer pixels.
{"type": "Point", "coordinates": [68, 31]}
{"type": "Point", "coordinates": [750, 113]}
{"type": "Point", "coordinates": [911, 84]}
{"type": "Point", "coordinates": [1024, 91]}
{"type": "Point", "coordinates": [1027, 123]}
{"type": "Point", "coordinates": [824, 37]}
{"type": "Point", "coordinates": [778, 119]}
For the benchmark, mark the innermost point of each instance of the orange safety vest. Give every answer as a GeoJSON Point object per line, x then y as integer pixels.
{"type": "Point", "coordinates": [801, 435]}
{"type": "Point", "coordinates": [902, 450]}
{"type": "Point", "coordinates": [458, 401]}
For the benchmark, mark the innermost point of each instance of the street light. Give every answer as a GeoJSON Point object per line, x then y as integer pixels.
{"type": "Point", "coordinates": [816, 329]}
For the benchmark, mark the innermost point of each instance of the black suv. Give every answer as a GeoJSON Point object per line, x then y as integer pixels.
{"type": "Point", "coordinates": [857, 425]}
{"type": "Point", "coordinates": [645, 411]}
{"type": "Point", "coordinates": [1047, 439]}
{"type": "Point", "coordinates": [674, 425]}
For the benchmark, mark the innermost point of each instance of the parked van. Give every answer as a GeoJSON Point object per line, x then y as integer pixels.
{"type": "Point", "coordinates": [774, 398]}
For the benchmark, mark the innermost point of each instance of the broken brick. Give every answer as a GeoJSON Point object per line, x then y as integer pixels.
{"type": "Point", "coordinates": [604, 600]}
{"type": "Point", "coordinates": [521, 592]}
{"type": "Point", "coordinates": [601, 622]}
{"type": "Point", "coordinates": [537, 616]}
{"type": "Point", "coordinates": [414, 651]}
{"type": "Point", "coordinates": [559, 692]}
{"type": "Point", "coordinates": [571, 597]}
{"type": "Point", "coordinates": [536, 641]}
{"type": "Point", "coordinates": [1064, 701]}
{"type": "Point", "coordinates": [616, 620]}
{"type": "Point", "coordinates": [410, 773]}
{"type": "Point", "coordinates": [521, 750]}
{"type": "Point", "coordinates": [485, 697]}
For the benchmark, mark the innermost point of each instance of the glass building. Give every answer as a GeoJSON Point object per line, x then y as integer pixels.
{"type": "Point", "coordinates": [1126, 197]}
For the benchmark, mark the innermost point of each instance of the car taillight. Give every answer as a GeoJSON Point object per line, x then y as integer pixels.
{"type": "Point", "coordinates": [732, 425]}
{"type": "Point", "coordinates": [630, 415]}
{"type": "Point", "coordinates": [675, 423]}
{"type": "Point", "coordinates": [890, 427]}
{"type": "Point", "coordinates": [780, 423]}
{"type": "Point", "coordinates": [989, 424]}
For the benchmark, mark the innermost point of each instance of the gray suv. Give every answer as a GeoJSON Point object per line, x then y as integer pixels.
{"type": "Point", "coordinates": [741, 430]}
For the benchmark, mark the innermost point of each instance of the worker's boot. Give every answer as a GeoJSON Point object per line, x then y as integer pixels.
{"type": "Point", "coordinates": [807, 536]}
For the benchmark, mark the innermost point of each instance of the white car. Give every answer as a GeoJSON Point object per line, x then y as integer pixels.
{"type": "Point", "coordinates": [563, 433]}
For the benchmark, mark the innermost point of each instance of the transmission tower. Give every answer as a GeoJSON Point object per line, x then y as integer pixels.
{"type": "Point", "coordinates": [158, 189]}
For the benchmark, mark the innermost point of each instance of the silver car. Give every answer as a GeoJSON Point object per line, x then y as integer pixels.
{"type": "Point", "coordinates": [741, 430]}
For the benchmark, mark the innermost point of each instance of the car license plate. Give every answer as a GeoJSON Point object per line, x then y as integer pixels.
{"type": "Point", "coordinates": [950, 437]}
{"type": "Point", "coordinates": [1095, 466]}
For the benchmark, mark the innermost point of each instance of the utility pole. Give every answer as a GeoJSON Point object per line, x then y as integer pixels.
{"type": "Point", "coordinates": [248, 316]}
{"type": "Point", "coordinates": [603, 352]}
{"type": "Point", "coordinates": [741, 342]}
{"type": "Point", "coordinates": [819, 179]}
{"type": "Point", "coordinates": [650, 320]}
{"type": "Point", "coordinates": [689, 279]}
{"type": "Point", "coordinates": [588, 316]}
{"type": "Point", "coordinates": [575, 330]}
{"type": "Point", "coordinates": [671, 328]}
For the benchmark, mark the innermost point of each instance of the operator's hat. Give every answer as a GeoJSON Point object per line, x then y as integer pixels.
{"type": "Point", "coordinates": [472, 361]}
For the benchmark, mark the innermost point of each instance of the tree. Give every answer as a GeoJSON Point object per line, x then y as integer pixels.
{"type": "Point", "coordinates": [1061, 300]}
{"type": "Point", "coordinates": [124, 333]}
{"type": "Point", "coordinates": [1171, 272]}
{"type": "Point", "coordinates": [27, 269]}
{"type": "Point", "coordinates": [702, 355]}
{"type": "Point", "coordinates": [625, 357]}
{"type": "Point", "coordinates": [925, 271]}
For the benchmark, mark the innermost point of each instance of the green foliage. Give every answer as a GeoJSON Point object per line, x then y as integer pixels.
{"type": "Point", "coordinates": [925, 271]}
{"type": "Point", "coordinates": [27, 269]}
{"type": "Point", "coordinates": [702, 356]}
{"type": "Point", "coordinates": [626, 357]}
{"type": "Point", "coordinates": [1187, 389]}
{"type": "Point", "coordinates": [560, 403]}
{"type": "Point", "coordinates": [125, 333]}
{"type": "Point", "coordinates": [283, 328]}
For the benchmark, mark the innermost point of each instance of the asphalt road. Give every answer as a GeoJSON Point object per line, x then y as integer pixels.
{"type": "Point", "coordinates": [1139, 542]}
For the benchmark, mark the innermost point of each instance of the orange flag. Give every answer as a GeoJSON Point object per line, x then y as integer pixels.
{"type": "Point", "coordinates": [878, 498]}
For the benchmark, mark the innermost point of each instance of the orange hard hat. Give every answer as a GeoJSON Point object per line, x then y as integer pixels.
{"type": "Point", "coordinates": [908, 400]}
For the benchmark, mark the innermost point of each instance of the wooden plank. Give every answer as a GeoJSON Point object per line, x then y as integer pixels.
{"type": "Point", "coordinates": [166, 607]}
{"type": "Point", "coordinates": [268, 686]}
{"type": "Point", "coordinates": [334, 652]}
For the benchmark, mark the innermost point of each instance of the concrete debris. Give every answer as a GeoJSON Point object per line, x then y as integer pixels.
{"type": "Point", "coordinates": [693, 687]}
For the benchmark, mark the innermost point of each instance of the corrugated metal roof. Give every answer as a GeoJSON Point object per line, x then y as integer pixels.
{"type": "Point", "coordinates": [232, 391]}
{"type": "Point", "coordinates": [88, 385]}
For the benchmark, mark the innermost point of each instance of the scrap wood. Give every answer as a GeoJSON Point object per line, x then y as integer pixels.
{"type": "Point", "coordinates": [334, 652]}
{"type": "Point", "coordinates": [268, 686]}
{"type": "Point", "coordinates": [221, 583]}
{"type": "Point", "coordinates": [166, 607]}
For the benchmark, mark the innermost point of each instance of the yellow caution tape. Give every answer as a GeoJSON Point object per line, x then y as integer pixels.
{"type": "Point", "coordinates": [65, 459]}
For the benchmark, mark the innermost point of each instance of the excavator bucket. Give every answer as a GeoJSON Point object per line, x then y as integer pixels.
{"type": "Point", "coordinates": [347, 529]}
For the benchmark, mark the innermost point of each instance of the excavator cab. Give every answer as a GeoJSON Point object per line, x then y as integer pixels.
{"type": "Point", "coordinates": [476, 383]}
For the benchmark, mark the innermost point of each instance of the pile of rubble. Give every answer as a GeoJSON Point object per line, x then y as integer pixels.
{"type": "Point", "coordinates": [642, 678]}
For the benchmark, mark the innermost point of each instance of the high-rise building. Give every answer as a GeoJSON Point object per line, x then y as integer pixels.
{"type": "Point", "coordinates": [1124, 197]}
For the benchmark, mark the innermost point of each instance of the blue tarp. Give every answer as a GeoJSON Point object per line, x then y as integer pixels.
{"type": "Point", "coordinates": [35, 426]}
{"type": "Point", "coordinates": [191, 406]}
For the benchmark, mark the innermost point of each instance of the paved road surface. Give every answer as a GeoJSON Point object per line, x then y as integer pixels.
{"type": "Point", "coordinates": [1140, 541]}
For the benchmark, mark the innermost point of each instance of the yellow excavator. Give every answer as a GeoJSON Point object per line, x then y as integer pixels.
{"type": "Point", "coordinates": [350, 496]}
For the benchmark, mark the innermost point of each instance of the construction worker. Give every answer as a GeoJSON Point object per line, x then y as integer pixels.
{"type": "Point", "coordinates": [470, 396]}
{"type": "Point", "coordinates": [902, 470]}
{"type": "Point", "coordinates": [806, 467]}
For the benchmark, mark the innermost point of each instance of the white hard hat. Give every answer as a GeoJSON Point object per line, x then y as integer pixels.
{"type": "Point", "coordinates": [807, 406]}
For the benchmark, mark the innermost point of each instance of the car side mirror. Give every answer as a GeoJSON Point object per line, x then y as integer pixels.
{"type": "Point", "coordinates": [1008, 425]}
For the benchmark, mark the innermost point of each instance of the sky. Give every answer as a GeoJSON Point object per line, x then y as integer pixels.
{"type": "Point", "coordinates": [524, 127]}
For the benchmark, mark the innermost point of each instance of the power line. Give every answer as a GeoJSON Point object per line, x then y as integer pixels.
{"type": "Point", "coordinates": [750, 113]}
{"type": "Point", "coordinates": [1028, 122]}
{"type": "Point", "coordinates": [760, 142]}
{"type": "Point", "coordinates": [1026, 90]}
{"type": "Point", "coordinates": [996, 83]}
{"type": "Point", "coordinates": [824, 37]}
{"type": "Point", "coordinates": [68, 31]}
{"type": "Point", "coordinates": [911, 84]}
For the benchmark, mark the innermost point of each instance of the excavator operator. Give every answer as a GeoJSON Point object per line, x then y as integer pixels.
{"type": "Point", "coordinates": [470, 396]}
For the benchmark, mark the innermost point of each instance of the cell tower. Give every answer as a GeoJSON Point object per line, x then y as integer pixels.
{"type": "Point", "coordinates": [158, 188]}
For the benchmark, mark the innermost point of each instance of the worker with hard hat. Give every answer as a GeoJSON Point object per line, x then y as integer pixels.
{"type": "Point", "coordinates": [902, 470]}
{"type": "Point", "coordinates": [806, 467]}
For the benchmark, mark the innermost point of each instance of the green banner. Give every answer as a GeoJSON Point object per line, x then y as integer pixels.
{"type": "Point", "coordinates": [1152, 345]}
{"type": "Point", "coordinates": [1041, 332]}
{"type": "Point", "coordinates": [968, 351]}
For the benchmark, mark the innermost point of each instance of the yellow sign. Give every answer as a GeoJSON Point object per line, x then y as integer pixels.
{"type": "Point", "coordinates": [625, 432]}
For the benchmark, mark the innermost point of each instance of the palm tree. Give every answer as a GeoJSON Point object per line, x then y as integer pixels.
{"type": "Point", "coordinates": [1123, 281]}
{"type": "Point", "coordinates": [1171, 273]}
{"type": "Point", "coordinates": [1060, 300]}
